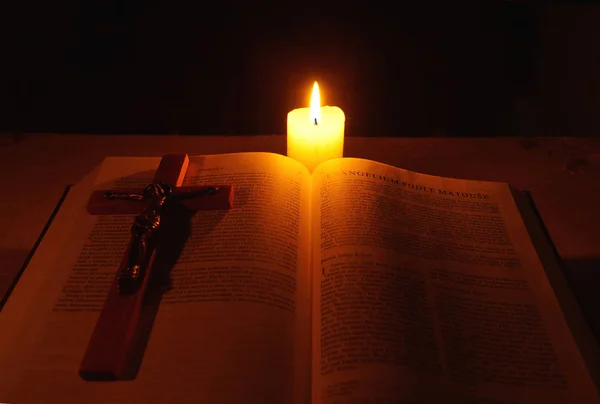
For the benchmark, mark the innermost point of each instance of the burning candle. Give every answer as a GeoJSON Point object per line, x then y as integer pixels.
{"type": "Point", "coordinates": [315, 134]}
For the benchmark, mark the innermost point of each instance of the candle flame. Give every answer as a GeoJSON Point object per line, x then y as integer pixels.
{"type": "Point", "coordinates": [315, 105]}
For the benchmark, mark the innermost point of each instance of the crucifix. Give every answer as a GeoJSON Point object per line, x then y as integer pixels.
{"type": "Point", "coordinates": [111, 341]}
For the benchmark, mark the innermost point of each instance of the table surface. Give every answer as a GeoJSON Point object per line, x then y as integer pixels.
{"type": "Point", "coordinates": [562, 174]}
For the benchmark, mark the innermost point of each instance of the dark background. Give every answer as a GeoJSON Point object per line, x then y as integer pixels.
{"type": "Point", "coordinates": [154, 66]}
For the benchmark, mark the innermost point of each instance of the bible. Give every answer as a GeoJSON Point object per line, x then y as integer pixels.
{"type": "Point", "coordinates": [357, 283]}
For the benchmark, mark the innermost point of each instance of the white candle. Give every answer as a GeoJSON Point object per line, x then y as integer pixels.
{"type": "Point", "coordinates": [315, 134]}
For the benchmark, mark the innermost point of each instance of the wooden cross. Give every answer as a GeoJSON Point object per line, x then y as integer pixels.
{"type": "Point", "coordinates": [111, 341]}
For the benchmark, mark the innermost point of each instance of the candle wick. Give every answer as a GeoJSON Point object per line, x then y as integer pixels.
{"type": "Point", "coordinates": [316, 124]}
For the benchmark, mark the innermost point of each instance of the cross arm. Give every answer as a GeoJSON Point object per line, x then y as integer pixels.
{"type": "Point", "coordinates": [99, 204]}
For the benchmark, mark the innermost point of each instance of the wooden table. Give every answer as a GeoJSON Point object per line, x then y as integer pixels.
{"type": "Point", "coordinates": [563, 176]}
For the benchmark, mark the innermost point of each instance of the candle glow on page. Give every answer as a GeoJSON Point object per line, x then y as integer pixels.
{"type": "Point", "coordinates": [315, 134]}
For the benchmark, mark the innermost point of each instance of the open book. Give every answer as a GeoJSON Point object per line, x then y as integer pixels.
{"type": "Point", "coordinates": [360, 283]}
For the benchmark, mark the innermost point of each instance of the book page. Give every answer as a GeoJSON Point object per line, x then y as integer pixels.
{"type": "Point", "coordinates": [233, 325]}
{"type": "Point", "coordinates": [429, 289]}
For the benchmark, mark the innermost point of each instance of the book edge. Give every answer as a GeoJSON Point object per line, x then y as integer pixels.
{"type": "Point", "coordinates": [554, 269]}
{"type": "Point", "coordinates": [33, 250]}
